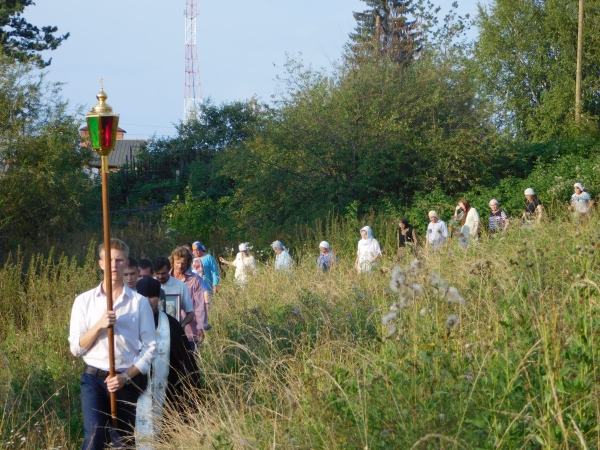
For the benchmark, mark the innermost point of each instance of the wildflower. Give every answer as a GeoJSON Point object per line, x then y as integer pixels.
{"type": "Point", "coordinates": [451, 321]}
{"type": "Point", "coordinates": [452, 296]}
{"type": "Point", "coordinates": [395, 307]}
{"type": "Point", "coordinates": [442, 416]}
{"type": "Point", "coordinates": [468, 347]}
{"type": "Point", "coordinates": [416, 265]}
{"type": "Point", "coordinates": [390, 330]}
{"type": "Point", "coordinates": [434, 279]}
{"type": "Point", "coordinates": [417, 289]}
{"type": "Point", "coordinates": [395, 285]}
{"type": "Point", "coordinates": [469, 378]}
{"type": "Point", "coordinates": [398, 275]}
{"type": "Point", "coordinates": [441, 289]}
{"type": "Point", "coordinates": [389, 318]}
{"type": "Point", "coordinates": [423, 312]}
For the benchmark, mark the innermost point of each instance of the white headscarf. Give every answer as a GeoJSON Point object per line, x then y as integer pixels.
{"type": "Point", "coordinates": [278, 244]}
{"type": "Point", "coordinates": [579, 185]}
{"type": "Point", "coordinates": [369, 238]}
{"type": "Point", "coordinates": [244, 247]}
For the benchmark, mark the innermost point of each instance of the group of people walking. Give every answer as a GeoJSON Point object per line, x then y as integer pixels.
{"type": "Point", "coordinates": [154, 350]}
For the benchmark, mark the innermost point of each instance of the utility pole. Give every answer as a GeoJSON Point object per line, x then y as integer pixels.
{"type": "Point", "coordinates": [578, 76]}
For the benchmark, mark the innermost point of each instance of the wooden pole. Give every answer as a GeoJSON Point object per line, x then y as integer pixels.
{"type": "Point", "coordinates": [578, 76]}
{"type": "Point", "coordinates": [108, 283]}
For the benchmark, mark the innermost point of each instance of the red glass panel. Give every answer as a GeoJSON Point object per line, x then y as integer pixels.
{"type": "Point", "coordinates": [106, 131]}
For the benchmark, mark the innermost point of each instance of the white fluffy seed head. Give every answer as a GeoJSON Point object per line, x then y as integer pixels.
{"type": "Point", "coordinates": [398, 275]}
{"type": "Point", "coordinates": [390, 317]}
{"type": "Point", "coordinates": [395, 285]}
{"type": "Point", "coordinates": [451, 321]}
{"type": "Point", "coordinates": [390, 330]}
{"type": "Point", "coordinates": [453, 296]}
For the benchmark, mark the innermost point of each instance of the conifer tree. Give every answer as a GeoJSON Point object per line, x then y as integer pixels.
{"type": "Point", "coordinates": [22, 41]}
{"type": "Point", "coordinates": [386, 25]}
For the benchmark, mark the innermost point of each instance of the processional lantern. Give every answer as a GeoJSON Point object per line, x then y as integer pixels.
{"type": "Point", "coordinates": [103, 124]}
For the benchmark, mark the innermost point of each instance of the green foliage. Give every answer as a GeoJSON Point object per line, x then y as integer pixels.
{"type": "Point", "coordinates": [369, 133]}
{"type": "Point", "coordinates": [193, 218]}
{"type": "Point", "coordinates": [218, 127]}
{"type": "Point", "coordinates": [20, 40]}
{"type": "Point", "coordinates": [525, 61]}
{"type": "Point", "coordinates": [44, 189]}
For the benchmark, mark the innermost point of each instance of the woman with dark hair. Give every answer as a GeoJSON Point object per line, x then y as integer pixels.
{"type": "Point", "coordinates": [469, 219]}
{"type": "Point", "coordinates": [407, 237]}
{"type": "Point", "coordinates": [533, 207]}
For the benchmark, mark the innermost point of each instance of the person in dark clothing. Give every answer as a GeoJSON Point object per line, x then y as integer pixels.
{"type": "Point", "coordinates": [407, 237]}
{"type": "Point", "coordinates": [533, 207]}
{"type": "Point", "coordinates": [174, 364]}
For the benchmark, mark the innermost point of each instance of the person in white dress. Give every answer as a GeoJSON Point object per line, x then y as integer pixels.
{"type": "Point", "coordinates": [469, 220]}
{"type": "Point", "coordinates": [244, 264]}
{"type": "Point", "coordinates": [369, 251]}
{"type": "Point", "coordinates": [437, 232]}
{"type": "Point", "coordinates": [283, 260]}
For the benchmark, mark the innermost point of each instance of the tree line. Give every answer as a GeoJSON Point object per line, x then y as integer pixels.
{"type": "Point", "coordinates": [413, 115]}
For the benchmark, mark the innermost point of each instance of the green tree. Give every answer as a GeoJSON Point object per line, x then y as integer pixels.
{"type": "Point", "coordinates": [372, 133]}
{"type": "Point", "coordinates": [387, 26]}
{"type": "Point", "coordinates": [525, 59]}
{"type": "Point", "coordinates": [22, 41]}
{"type": "Point", "coordinates": [198, 142]}
{"type": "Point", "coordinates": [43, 187]}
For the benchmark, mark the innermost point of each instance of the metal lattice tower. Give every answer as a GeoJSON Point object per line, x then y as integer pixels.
{"type": "Point", "coordinates": [192, 96]}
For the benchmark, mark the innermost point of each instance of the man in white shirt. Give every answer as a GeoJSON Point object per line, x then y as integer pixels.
{"type": "Point", "coordinates": [134, 352]}
{"type": "Point", "coordinates": [172, 286]}
{"type": "Point", "coordinates": [437, 232]}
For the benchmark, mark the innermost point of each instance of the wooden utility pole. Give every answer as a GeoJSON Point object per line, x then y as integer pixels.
{"type": "Point", "coordinates": [578, 76]}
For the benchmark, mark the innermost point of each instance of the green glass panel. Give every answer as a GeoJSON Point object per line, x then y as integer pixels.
{"type": "Point", "coordinates": [94, 129]}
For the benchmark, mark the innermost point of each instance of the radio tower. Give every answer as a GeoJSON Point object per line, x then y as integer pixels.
{"type": "Point", "coordinates": [192, 96]}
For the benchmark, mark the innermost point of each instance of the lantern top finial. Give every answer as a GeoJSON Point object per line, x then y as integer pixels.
{"type": "Point", "coordinates": [102, 107]}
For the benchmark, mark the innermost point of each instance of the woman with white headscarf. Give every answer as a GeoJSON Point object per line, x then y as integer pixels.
{"type": "Point", "coordinates": [283, 260]}
{"type": "Point", "coordinates": [368, 251]}
{"type": "Point", "coordinates": [581, 201]}
{"type": "Point", "coordinates": [244, 264]}
{"type": "Point", "coordinates": [533, 207]}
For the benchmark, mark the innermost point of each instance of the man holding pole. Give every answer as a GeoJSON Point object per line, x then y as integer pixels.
{"type": "Point", "coordinates": [132, 322]}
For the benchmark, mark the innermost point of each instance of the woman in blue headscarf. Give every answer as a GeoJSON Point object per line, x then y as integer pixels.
{"type": "Point", "coordinates": [368, 251]}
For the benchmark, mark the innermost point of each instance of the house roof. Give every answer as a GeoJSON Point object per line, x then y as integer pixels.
{"type": "Point", "coordinates": [122, 152]}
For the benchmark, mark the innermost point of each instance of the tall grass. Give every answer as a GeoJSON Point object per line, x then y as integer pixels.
{"type": "Point", "coordinates": [302, 361]}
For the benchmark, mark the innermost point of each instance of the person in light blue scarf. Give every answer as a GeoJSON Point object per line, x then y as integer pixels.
{"type": "Point", "coordinates": [283, 260]}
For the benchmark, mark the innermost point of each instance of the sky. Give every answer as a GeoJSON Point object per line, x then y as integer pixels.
{"type": "Point", "coordinates": [137, 47]}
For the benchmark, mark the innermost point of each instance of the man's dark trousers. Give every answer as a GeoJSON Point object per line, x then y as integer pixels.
{"type": "Point", "coordinates": [95, 401]}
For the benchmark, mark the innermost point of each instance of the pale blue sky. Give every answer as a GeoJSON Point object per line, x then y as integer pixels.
{"type": "Point", "coordinates": [137, 47]}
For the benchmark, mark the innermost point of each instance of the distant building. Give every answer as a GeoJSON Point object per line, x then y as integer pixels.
{"type": "Point", "coordinates": [125, 152]}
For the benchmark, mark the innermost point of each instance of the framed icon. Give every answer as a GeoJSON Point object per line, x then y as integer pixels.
{"type": "Point", "coordinates": [172, 306]}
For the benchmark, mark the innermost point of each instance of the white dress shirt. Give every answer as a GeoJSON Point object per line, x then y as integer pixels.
{"type": "Point", "coordinates": [134, 331]}
{"type": "Point", "coordinates": [176, 287]}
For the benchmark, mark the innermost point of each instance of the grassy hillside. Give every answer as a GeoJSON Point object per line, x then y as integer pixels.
{"type": "Point", "coordinates": [306, 362]}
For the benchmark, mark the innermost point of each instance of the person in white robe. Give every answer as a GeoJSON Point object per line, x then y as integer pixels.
{"type": "Point", "coordinates": [369, 251]}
